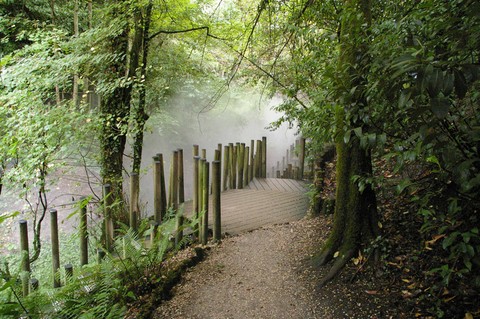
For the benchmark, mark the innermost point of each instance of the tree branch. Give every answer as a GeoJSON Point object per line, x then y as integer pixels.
{"type": "Point", "coordinates": [185, 31]}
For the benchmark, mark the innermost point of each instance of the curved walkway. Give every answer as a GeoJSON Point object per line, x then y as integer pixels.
{"type": "Point", "coordinates": [263, 202]}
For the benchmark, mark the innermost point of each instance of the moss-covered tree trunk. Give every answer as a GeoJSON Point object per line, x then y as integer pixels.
{"type": "Point", "coordinates": [115, 111]}
{"type": "Point", "coordinates": [355, 219]}
{"type": "Point", "coordinates": [140, 116]}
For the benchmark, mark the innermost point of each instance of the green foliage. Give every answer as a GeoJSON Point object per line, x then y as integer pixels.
{"type": "Point", "coordinates": [424, 87]}
{"type": "Point", "coordinates": [101, 290]}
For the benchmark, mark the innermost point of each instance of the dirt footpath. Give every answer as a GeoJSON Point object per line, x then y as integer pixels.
{"type": "Point", "coordinates": [248, 276]}
{"type": "Point", "coordinates": [267, 274]}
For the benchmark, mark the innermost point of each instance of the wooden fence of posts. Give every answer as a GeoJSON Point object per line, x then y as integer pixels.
{"type": "Point", "coordinates": [293, 163]}
{"type": "Point", "coordinates": [241, 164]}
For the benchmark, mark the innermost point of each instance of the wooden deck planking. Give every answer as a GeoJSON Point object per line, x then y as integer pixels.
{"type": "Point", "coordinates": [263, 202]}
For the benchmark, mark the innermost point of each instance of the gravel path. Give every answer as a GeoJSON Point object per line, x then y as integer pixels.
{"type": "Point", "coordinates": [267, 274]}
{"type": "Point", "coordinates": [255, 275]}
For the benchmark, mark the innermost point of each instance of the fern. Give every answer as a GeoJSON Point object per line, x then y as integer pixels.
{"type": "Point", "coordinates": [104, 290]}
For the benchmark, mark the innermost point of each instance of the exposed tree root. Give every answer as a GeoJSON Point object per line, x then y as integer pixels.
{"type": "Point", "coordinates": [337, 266]}
{"type": "Point", "coordinates": [322, 258]}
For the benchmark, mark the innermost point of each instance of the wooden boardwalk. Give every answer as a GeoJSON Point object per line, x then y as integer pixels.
{"type": "Point", "coordinates": [263, 202]}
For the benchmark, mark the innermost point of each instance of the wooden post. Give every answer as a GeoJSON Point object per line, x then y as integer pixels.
{"type": "Point", "coordinates": [234, 164]}
{"type": "Point", "coordinates": [55, 248]}
{"type": "Point", "coordinates": [200, 196]}
{"type": "Point", "coordinates": [163, 187]}
{"type": "Point", "coordinates": [134, 188]}
{"type": "Point", "coordinates": [154, 227]}
{"type": "Point", "coordinates": [241, 158]}
{"type": "Point", "coordinates": [180, 179]}
{"type": "Point", "coordinates": [246, 169]}
{"type": "Point", "coordinates": [181, 200]}
{"type": "Point", "coordinates": [204, 153]}
{"type": "Point", "coordinates": [68, 273]}
{"type": "Point", "coordinates": [107, 202]}
{"type": "Point", "coordinates": [218, 153]}
{"type": "Point", "coordinates": [179, 228]}
{"type": "Point", "coordinates": [195, 150]}
{"type": "Point", "coordinates": [252, 148]}
{"type": "Point", "coordinates": [159, 192]}
{"type": "Point", "coordinates": [34, 284]}
{"type": "Point", "coordinates": [225, 166]}
{"type": "Point", "coordinates": [301, 158]}
{"type": "Point", "coordinates": [205, 193]}
{"type": "Point", "coordinates": [278, 174]}
{"type": "Point", "coordinates": [264, 156]}
{"type": "Point", "coordinates": [258, 160]}
{"type": "Point", "coordinates": [288, 159]}
{"type": "Point", "coordinates": [170, 183]}
{"type": "Point", "coordinates": [196, 191]}
{"type": "Point", "coordinates": [25, 257]}
{"type": "Point", "coordinates": [83, 233]}
{"type": "Point", "coordinates": [231, 171]}
{"type": "Point", "coordinates": [283, 163]}
{"type": "Point", "coordinates": [100, 255]}
{"type": "Point", "coordinates": [173, 187]}
{"type": "Point", "coordinates": [216, 204]}
{"type": "Point", "coordinates": [290, 171]}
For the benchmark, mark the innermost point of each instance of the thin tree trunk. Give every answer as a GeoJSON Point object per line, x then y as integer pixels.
{"type": "Point", "coordinates": [141, 116]}
{"type": "Point", "coordinates": [75, 33]}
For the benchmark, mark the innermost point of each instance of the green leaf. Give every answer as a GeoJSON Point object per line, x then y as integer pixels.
{"type": "Point", "coordinates": [448, 241]}
{"type": "Point", "coordinates": [403, 185]}
{"type": "Point", "coordinates": [468, 264]}
{"type": "Point", "coordinates": [358, 131]}
{"type": "Point", "coordinates": [5, 217]}
{"type": "Point", "coordinates": [433, 159]}
{"type": "Point", "coordinates": [346, 137]}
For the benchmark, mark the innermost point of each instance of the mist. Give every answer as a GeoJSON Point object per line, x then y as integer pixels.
{"type": "Point", "coordinates": [236, 117]}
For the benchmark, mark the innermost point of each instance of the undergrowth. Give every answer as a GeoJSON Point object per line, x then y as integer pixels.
{"type": "Point", "coordinates": [103, 289]}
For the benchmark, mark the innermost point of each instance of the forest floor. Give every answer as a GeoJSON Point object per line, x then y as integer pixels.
{"type": "Point", "coordinates": [268, 273]}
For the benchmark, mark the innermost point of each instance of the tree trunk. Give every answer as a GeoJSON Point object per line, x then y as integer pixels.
{"type": "Point", "coordinates": [76, 33]}
{"type": "Point", "coordinates": [141, 116]}
{"type": "Point", "coordinates": [114, 112]}
{"type": "Point", "coordinates": [355, 219]}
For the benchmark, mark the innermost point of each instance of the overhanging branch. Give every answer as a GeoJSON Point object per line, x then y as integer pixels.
{"type": "Point", "coordinates": [185, 31]}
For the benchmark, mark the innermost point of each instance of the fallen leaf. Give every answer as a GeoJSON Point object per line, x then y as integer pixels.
{"type": "Point", "coordinates": [468, 315]}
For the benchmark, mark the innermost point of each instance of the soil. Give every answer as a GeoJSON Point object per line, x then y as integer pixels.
{"type": "Point", "coordinates": [268, 273]}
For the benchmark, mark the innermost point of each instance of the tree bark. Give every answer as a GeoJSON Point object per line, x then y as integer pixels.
{"type": "Point", "coordinates": [114, 112]}
{"type": "Point", "coordinates": [355, 218]}
{"type": "Point", "coordinates": [116, 109]}
{"type": "Point", "coordinates": [76, 33]}
{"type": "Point", "coordinates": [141, 117]}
